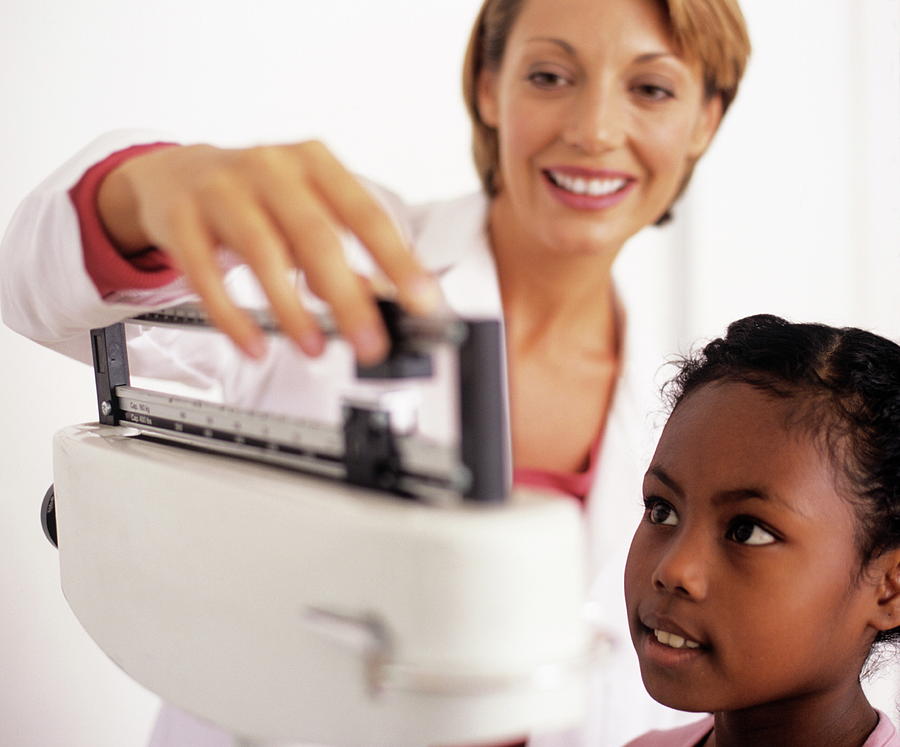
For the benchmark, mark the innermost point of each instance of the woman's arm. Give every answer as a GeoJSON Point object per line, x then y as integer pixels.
{"type": "Point", "coordinates": [59, 279]}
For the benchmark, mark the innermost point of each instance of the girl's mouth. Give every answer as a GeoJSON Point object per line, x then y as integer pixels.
{"type": "Point", "coordinates": [666, 644]}
{"type": "Point", "coordinates": [673, 640]}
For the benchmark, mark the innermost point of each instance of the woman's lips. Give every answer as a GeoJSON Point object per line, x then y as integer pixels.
{"type": "Point", "coordinates": [585, 189]}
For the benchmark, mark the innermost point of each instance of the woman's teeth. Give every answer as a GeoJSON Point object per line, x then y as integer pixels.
{"type": "Point", "coordinates": [580, 186]}
{"type": "Point", "coordinates": [675, 641]}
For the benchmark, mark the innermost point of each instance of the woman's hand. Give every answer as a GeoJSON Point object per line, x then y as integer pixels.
{"type": "Point", "coordinates": [278, 207]}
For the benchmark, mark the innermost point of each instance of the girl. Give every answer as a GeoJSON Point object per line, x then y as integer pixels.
{"type": "Point", "coordinates": [588, 118]}
{"type": "Point", "coordinates": [767, 566]}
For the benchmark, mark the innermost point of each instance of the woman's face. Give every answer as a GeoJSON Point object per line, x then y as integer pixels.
{"type": "Point", "coordinates": [742, 583]}
{"type": "Point", "coordinates": [598, 119]}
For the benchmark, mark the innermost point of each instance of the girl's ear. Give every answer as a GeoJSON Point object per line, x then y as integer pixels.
{"type": "Point", "coordinates": [887, 613]}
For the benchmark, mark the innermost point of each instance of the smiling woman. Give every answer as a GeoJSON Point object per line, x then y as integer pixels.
{"type": "Point", "coordinates": [709, 34]}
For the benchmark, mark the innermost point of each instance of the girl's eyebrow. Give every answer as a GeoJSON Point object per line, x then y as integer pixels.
{"type": "Point", "coordinates": [722, 496]}
{"type": "Point", "coordinates": [660, 474]}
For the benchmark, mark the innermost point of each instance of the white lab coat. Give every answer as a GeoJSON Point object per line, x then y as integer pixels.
{"type": "Point", "coordinates": [47, 296]}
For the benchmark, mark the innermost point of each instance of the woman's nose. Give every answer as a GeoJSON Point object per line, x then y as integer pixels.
{"type": "Point", "coordinates": [682, 569]}
{"type": "Point", "coordinates": [597, 121]}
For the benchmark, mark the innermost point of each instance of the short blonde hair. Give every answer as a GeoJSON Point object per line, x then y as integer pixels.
{"type": "Point", "coordinates": [711, 31]}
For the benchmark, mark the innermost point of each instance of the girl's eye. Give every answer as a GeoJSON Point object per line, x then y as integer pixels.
{"type": "Point", "coordinates": [547, 80]}
{"type": "Point", "coordinates": [653, 93]}
{"type": "Point", "coordinates": [748, 532]}
{"type": "Point", "coordinates": [660, 512]}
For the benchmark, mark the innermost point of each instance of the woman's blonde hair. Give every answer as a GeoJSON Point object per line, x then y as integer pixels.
{"type": "Point", "coordinates": [711, 31]}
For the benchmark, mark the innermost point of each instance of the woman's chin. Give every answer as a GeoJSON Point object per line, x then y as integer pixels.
{"type": "Point", "coordinates": [599, 241]}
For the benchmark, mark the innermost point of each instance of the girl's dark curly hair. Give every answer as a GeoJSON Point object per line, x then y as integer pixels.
{"type": "Point", "coordinates": [846, 384]}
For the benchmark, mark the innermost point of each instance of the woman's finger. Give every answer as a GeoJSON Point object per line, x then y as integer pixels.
{"type": "Point", "coordinates": [354, 207]}
{"type": "Point", "coordinates": [319, 252]}
{"type": "Point", "coordinates": [193, 249]}
{"type": "Point", "coordinates": [242, 224]}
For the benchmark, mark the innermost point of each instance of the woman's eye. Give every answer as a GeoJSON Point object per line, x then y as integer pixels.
{"type": "Point", "coordinates": [547, 80]}
{"type": "Point", "coordinates": [660, 512]}
{"type": "Point", "coordinates": [653, 93]}
{"type": "Point", "coordinates": [749, 532]}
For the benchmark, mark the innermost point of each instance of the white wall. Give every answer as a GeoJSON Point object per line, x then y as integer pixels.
{"type": "Point", "coordinates": [794, 211]}
{"type": "Point", "coordinates": [797, 210]}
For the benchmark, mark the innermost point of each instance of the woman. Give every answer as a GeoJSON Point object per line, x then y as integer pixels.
{"type": "Point", "coordinates": [587, 125]}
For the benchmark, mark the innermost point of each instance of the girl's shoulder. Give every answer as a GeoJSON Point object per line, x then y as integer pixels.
{"type": "Point", "coordinates": [884, 735]}
{"type": "Point", "coordinates": [682, 736]}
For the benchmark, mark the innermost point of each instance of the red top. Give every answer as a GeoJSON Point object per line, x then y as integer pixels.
{"type": "Point", "coordinates": [152, 268]}
{"type": "Point", "coordinates": [575, 484]}
{"type": "Point", "coordinates": [108, 269]}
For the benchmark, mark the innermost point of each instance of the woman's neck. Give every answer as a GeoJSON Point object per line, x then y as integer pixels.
{"type": "Point", "coordinates": [836, 717]}
{"type": "Point", "coordinates": [553, 298]}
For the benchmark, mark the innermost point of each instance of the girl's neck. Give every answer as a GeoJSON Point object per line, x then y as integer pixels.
{"type": "Point", "coordinates": [841, 718]}
{"type": "Point", "coordinates": [551, 297]}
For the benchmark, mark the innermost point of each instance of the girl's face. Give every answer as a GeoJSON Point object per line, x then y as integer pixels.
{"type": "Point", "coordinates": [742, 583]}
{"type": "Point", "coordinates": [598, 119]}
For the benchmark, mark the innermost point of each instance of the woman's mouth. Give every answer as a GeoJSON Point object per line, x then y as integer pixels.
{"type": "Point", "coordinates": [586, 190]}
{"type": "Point", "coordinates": [579, 185]}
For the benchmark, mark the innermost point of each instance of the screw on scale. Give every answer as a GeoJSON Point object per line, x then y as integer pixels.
{"type": "Point", "coordinates": [105, 407]}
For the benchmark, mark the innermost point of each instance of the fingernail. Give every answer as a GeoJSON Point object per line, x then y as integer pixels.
{"type": "Point", "coordinates": [312, 343]}
{"type": "Point", "coordinates": [369, 344]}
{"type": "Point", "coordinates": [255, 347]}
{"type": "Point", "coordinates": [424, 294]}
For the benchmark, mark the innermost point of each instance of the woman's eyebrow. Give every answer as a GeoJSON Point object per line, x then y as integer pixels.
{"type": "Point", "coordinates": [651, 56]}
{"type": "Point", "coordinates": [558, 42]}
{"type": "Point", "coordinates": [638, 60]}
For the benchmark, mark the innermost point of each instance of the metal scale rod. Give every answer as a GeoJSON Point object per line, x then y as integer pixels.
{"type": "Point", "coordinates": [363, 450]}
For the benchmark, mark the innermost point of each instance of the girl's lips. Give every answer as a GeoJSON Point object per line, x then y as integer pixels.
{"type": "Point", "coordinates": [653, 621]}
{"type": "Point", "coordinates": [582, 189]}
{"type": "Point", "coordinates": [650, 650]}
{"type": "Point", "coordinates": [656, 635]}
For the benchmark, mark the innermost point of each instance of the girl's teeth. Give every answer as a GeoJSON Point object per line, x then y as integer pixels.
{"type": "Point", "coordinates": [582, 186]}
{"type": "Point", "coordinates": [675, 641]}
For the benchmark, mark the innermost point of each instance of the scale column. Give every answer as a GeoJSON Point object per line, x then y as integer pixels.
{"type": "Point", "coordinates": [110, 369]}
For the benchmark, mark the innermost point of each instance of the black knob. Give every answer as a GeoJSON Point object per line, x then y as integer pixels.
{"type": "Point", "coordinates": [48, 516]}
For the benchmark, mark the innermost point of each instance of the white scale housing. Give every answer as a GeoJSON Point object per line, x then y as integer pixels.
{"type": "Point", "coordinates": [290, 609]}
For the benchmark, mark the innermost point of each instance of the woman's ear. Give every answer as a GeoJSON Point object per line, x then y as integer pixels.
{"type": "Point", "coordinates": [487, 98]}
{"type": "Point", "coordinates": [706, 126]}
{"type": "Point", "coordinates": [887, 611]}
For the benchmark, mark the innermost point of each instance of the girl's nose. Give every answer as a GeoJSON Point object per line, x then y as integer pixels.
{"type": "Point", "coordinates": [597, 121]}
{"type": "Point", "coordinates": [682, 569]}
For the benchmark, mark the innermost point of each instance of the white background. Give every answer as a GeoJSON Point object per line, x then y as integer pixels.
{"type": "Point", "coordinates": [796, 211]}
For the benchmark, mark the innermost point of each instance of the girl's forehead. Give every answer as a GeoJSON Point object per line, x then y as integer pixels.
{"type": "Point", "coordinates": [728, 436]}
